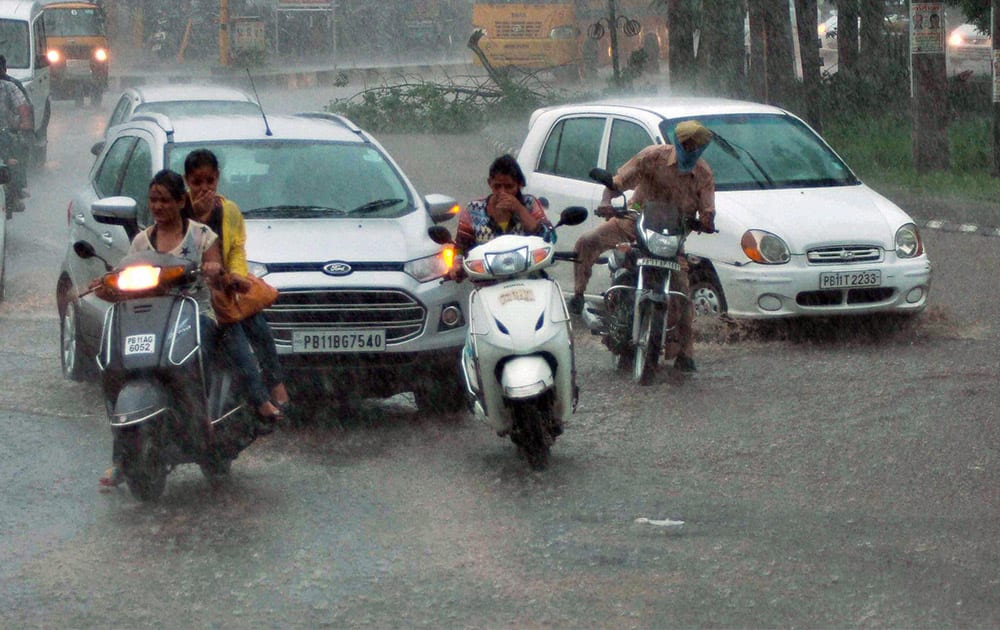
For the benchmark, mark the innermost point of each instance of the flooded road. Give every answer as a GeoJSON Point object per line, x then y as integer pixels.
{"type": "Point", "coordinates": [833, 474]}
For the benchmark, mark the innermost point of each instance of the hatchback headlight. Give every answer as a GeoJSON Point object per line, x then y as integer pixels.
{"type": "Point", "coordinates": [258, 269]}
{"type": "Point", "coordinates": [431, 267]}
{"type": "Point", "coordinates": [764, 248]}
{"type": "Point", "coordinates": [662, 245]}
{"type": "Point", "coordinates": [908, 243]}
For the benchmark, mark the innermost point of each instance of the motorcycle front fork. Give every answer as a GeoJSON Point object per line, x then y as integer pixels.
{"type": "Point", "coordinates": [641, 295]}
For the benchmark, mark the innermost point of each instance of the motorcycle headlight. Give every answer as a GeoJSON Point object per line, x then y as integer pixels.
{"type": "Point", "coordinates": [258, 269]}
{"type": "Point", "coordinates": [662, 245]}
{"type": "Point", "coordinates": [431, 267]}
{"type": "Point", "coordinates": [764, 248]}
{"type": "Point", "coordinates": [508, 263]}
{"type": "Point", "coordinates": [908, 243]}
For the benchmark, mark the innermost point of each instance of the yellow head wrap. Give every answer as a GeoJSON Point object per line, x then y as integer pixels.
{"type": "Point", "coordinates": [692, 130]}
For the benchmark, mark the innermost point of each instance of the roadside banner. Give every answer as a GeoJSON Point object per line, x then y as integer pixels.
{"type": "Point", "coordinates": [927, 27]}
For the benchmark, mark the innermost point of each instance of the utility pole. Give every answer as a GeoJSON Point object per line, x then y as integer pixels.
{"type": "Point", "coordinates": [995, 58]}
{"type": "Point", "coordinates": [224, 33]}
{"type": "Point", "coordinates": [928, 88]}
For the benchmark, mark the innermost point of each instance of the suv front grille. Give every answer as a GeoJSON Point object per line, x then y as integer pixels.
{"type": "Point", "coordinates": [401, 316]}
{"type": "Point", "coordinates": [840, 254]}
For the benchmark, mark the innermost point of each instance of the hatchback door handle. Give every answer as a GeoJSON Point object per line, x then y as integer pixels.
{"type": "Point", "coordinates": [107, 238]}
{"type": "Point", "coordinates": [80, 218]}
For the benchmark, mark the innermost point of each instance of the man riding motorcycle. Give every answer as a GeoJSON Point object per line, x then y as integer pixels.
{"type": "Point", "coordinates": [673, 174]}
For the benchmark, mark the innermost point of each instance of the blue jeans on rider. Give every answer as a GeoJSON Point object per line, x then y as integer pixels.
{"type": "Point", "coordinates": [258, 333]}
{"type": "Point", "coordinates": [230, 340]}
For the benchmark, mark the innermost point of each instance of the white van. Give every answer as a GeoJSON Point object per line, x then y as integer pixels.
{"type": "Point", "coordinates": [22, 42]}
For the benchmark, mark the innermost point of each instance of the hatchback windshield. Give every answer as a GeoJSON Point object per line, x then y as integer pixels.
{"type": "Point", "coordinates": [305, 179]}
{"type": "Point", "coordinates": [768, 151]}
{"type": "Point", "coordinates": [73, 22]}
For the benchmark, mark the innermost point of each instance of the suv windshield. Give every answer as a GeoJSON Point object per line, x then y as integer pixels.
{"type": "Point", "coordinates": [73, 22]}
{"type": "Point", "coordinates": [768, 151]}
{"type": "Point", "coordinates": [305, 179]}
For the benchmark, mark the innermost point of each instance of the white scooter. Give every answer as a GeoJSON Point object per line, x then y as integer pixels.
{"type": "Point", "coordinates": [518, 356]}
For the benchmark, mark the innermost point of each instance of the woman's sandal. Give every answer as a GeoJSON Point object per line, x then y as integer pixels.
{"type": "Point", "coordinates": [111, 478]}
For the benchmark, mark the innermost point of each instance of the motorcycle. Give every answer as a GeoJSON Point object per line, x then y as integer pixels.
{"type": "Point", "coordinates": [167, 404]}
{"type": "Point", "coordinates": [640, 311]}
{"type": "Point", "coordinates": [518, 362]}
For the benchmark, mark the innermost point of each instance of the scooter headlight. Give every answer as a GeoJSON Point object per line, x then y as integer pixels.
{"type": "Point", "coordinates": [137, 278]}
{"type": "Point", "coordinates": [662, 245]}
{"type": "Point", "coordinates": [508, 263]}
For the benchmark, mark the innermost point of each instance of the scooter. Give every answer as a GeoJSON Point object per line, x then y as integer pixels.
{"type": "Point", "coordinates": [640, 311]}
{"type": "Point", "coordinates": [167, 404]}
{"type": "Point", "coordinates": [518, 357]}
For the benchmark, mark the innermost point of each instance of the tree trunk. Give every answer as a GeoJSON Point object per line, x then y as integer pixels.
{"type": "Point", "coordinates": [847, 35]}
{"type": "Point", "coordinates": [722, 54]}
{"type": "Point", "coordinates": [758, 51]}
{"type": "Point", "coordinates": [872, 40]}
{"type": "Point", "coordinates": [778, 57]}
{"type": "Point", "coordinates": [995, 27]}
{"type": "Point", "coordinates": [680, 22]}
{"type": "Point", "coordinates": [809, 45]}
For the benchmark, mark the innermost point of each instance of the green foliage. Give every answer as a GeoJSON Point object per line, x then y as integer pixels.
{"type": "Point", "coordinates": [978, 12]}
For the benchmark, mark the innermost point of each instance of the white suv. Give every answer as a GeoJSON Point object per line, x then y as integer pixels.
{"type": "Point", "coordinates": [332, 223]}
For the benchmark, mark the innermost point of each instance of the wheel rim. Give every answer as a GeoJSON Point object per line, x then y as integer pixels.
{"type": "Point", "coordinates": [706, 301]}
{"type": "Point", "coordinates": [69, 338]}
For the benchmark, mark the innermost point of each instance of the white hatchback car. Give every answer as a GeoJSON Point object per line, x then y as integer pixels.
{"type": "Point", "coordinates": [181, 100]}
{"type": "Point", "coordinates": [799, 233]}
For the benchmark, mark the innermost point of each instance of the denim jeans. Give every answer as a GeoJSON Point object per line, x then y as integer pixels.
{"type": "Point", "coordinates": [232, 342]}
{"type": "Point", "coordinates": [258, 333]}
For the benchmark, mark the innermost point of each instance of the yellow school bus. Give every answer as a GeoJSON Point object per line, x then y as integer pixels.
{"type": "Point", "coordinates": [547, 34]}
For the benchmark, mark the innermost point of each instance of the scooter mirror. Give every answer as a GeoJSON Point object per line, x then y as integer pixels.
{"type": "Point", "coordinates": [602, 176]}
{"type": "Point", "coordinates": [440, 235]}
{"type": "Point", "coordinates": [573, 215]}
{"type": "Point", "coordinates": [83, 249]}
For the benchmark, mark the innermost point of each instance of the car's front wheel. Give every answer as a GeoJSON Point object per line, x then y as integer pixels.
{"type": "Point", "coordinates": [706, 294]}
{"type": "Point", "coordinates": [72, 351]}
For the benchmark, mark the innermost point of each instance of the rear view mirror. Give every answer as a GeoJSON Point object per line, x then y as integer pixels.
{"type": "Point", "coordinates": [117, 211]}
{"type": "Point", "coordinates": [439, 234]}
{"type": "Point", "coordinates": [97, 148]}
{"type": "Point", "coordinates": [573, 215]}
{"type": "Point", "coordinates": [602, 176]}
{"type": "Point", "coordinates": [441, 207]}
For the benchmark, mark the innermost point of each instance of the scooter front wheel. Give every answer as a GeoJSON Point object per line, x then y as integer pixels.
{"type": "Point", "coordinates": [144, 470]}
{"type": "Point", "coordinates": [530, 431]}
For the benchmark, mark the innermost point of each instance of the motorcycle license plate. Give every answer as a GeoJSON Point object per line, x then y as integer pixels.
{"type": "Point", "coordinates": [307, 341]}
{"type": "Point", "coordinates": [140, 344]}
{"type": "Point", "coordinates": [656, 262]}
{"type": "Point", "coordinates": [850, 279]}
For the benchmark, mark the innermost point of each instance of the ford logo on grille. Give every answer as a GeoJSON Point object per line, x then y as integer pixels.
{"type": "Point", "coordinates": [337, 269]}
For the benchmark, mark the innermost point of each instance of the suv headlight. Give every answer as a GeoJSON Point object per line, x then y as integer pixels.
{"type": "Point", "coordinates": [908, 243]}
{"type": "Point", "coordinates": [258, 269]}
{"type": "Point", "coordinates": [662, 245]}
{"type": "Point", "coordinates": [764, 248]}
{"type": "Point", "coordinates": [431, 267]}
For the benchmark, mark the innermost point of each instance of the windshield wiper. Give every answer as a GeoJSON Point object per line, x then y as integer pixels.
{"type": "Point", "coordinates": [730, 149]}
{"type": "Point", "coordinates": [293, 212]}
{"type": "Point", "coordinates": [375, 206]}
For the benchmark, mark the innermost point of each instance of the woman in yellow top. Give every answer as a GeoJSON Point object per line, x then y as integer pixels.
{"type": "Point", "coordinates": [201, 173]}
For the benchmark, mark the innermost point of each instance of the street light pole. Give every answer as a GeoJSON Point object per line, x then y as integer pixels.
{"type": "Point", "coordinates": [995, 65]}
{"type": "Point", "coordinates": [224, 33]}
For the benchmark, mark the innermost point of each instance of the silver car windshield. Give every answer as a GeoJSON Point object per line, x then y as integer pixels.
{"type": "Point", "coordinates": [291, 179]}
{"type": "Point", "coordinates": [768, 151]}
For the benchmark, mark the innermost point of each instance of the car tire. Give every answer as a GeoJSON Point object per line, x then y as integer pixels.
{"type": "Point", "coordinates": [706, 294]}
{"type": "Point", "coordinates": [72, 352]}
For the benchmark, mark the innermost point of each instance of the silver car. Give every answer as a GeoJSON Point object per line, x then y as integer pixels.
{"type": "Point", "coordinates": [332, 222]}
{"type": "Point", "coordinates": [180, 100]}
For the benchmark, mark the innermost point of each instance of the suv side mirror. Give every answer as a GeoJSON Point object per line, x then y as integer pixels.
{"type": "Point", "coordinates": [441, 207]}
{"type": "Point", "coordinates": [97, 148]}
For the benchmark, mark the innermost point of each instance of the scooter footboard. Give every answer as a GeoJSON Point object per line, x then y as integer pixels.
{"type": "Point", "coordinates": [139, 401]}
{"type": "Point", "coordinates": [526, 377]}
